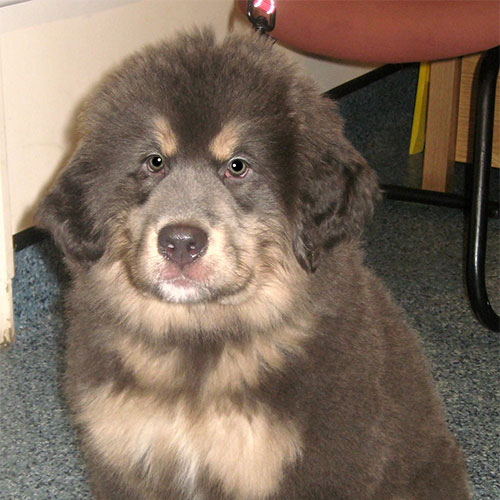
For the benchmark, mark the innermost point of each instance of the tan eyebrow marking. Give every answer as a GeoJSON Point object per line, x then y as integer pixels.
{"type": "Point", "coordinates": [165, 135]}
{"type": "Point", "coordinates": [225, 142]}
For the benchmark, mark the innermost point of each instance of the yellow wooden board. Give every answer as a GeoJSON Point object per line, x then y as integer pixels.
{"type": "Point", "coordinates": [417, 139]}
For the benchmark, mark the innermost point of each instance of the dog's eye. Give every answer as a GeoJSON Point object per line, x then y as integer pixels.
{"type": "Point", "coordinates": [237, 167]}
{"type": "Point", "coordinates": [155, 163]}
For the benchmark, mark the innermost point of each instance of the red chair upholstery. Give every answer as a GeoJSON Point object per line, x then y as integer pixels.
{"type": "Point", "coordinates": [388, 31]}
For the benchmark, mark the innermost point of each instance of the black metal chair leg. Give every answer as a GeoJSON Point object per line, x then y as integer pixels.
{"type": "Point", "coordinates": [483, 139]}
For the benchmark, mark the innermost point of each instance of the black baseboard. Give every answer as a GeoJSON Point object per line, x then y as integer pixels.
{"type": "Point", "coordinates": [366, 79]}
{"type": "Point", "coordinates": [28, 237]}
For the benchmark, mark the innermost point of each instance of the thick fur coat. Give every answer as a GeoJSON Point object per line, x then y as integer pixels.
{"type": "Point", "coordinates": [225, 341]}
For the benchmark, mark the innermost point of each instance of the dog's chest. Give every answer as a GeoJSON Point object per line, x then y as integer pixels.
{"type": "Point", "coordinates": [244, 454]}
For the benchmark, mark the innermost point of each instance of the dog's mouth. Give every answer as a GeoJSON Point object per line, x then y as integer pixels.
{"type": "Point", "coordinates": [198, 283]}
{"type": "Point", "coordinates": [183, 284]}
{"type": "Point", "coordinates": [186, 289]}
{"type": "Point", "coordinates": [190, 263]}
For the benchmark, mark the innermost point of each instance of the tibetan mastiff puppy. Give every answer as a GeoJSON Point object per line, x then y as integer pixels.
{"type": "Point", "coordinates": [225, 340]}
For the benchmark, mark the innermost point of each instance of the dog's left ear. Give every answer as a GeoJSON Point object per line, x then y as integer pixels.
{"type": "Point", "coordinates": [68, 213]}
{"type": "Point", "coordinates": [337, 188]}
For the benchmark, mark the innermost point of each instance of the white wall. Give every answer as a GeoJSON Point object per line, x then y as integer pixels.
{"type": "Point", "coordinates": [51, 54]}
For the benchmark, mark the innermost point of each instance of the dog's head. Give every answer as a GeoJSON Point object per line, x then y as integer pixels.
{"type": "Point", "coordinates": [202, 165]}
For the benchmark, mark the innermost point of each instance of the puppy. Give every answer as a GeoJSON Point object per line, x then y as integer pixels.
{"type": "Point", "coordinates": [225, 340]}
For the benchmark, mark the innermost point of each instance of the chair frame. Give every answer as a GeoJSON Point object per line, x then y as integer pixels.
{"type": "Point", "coordinates": [477, 204]}
{"type": "Point", "coordinates": [478, 224]}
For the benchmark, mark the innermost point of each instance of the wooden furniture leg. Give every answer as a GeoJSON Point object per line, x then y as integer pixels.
{"type": "Point", "coordinates": [441, 131]}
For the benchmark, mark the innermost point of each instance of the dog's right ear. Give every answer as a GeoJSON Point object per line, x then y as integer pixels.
{"type": "Point", "coordinates": [338, 188]}
{"type": "Point", "coordinates": [66, 212]}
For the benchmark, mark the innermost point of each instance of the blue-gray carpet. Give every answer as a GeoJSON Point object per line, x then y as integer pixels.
{"type": "Point", "coordinates": [416, 249]}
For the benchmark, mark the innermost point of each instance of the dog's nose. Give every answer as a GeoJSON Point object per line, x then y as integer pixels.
{"type": "Point", "coordinates": [182, 244]}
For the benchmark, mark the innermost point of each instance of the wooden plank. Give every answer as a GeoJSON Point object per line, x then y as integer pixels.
{"type": "Point", "coordinates": [441, 130]}
{"type": "Point", "coordinates": [466, 113]}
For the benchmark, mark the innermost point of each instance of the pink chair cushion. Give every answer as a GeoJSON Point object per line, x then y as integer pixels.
{"type": "Point", "coordinates": [388, 31]}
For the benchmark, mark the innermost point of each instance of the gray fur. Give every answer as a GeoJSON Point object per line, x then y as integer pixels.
{"type": "Point", "coordinates": [286, 339]}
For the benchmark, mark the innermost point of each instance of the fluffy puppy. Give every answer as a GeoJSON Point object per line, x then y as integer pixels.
{"type": "Point", "coordinates": [225, 340]}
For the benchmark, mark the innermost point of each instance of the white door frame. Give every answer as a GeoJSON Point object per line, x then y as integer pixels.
{"type": "Point", "coordinates": [6, 246]}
